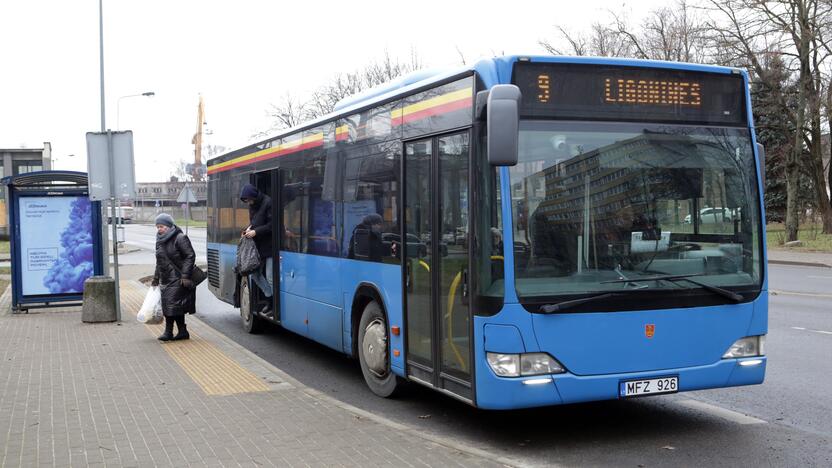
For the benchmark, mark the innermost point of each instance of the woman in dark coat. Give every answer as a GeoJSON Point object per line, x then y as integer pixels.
{"type": "Point", "coordinates": [175, 260]}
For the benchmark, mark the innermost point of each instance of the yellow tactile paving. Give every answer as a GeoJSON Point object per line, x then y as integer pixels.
{"type": "Point", "coordinates": [208, 367]}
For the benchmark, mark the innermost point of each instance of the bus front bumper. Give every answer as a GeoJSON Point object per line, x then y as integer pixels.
{"type": "Point", "coordinates": [495, 392]}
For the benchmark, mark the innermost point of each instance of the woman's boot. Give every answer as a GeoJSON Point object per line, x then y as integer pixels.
{"type": "Point", "coordinates": [182, 329]}
{"type": "Point", "coordinates": [168, 334]}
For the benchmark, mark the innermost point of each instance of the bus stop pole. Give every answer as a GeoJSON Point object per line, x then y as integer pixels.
{"type": "Point", "coordinates": [113, 221]}
{"type": "Point", "coordinates": [104, 238]}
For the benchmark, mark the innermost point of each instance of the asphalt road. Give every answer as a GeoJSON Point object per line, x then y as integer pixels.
{"type": "Point", "coordinates": [784, 422]}
{"type": "Point", "coordinates": [143, 236]}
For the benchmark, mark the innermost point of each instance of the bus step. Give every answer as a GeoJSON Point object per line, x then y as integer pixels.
{"type": "Point", "coordinates": [268, 316]}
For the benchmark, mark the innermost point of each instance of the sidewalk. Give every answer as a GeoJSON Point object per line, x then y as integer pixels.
{"type": "Point", "coordinates": [791, 257]}
{"type": "Point", "coordinates": [75, 394]}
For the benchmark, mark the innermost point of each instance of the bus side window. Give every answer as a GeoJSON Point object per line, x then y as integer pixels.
{"type": "Point", "coordinates": [239, 211]}
{"type": "Point", "coordinates": [371, 187]}
{"type": "Point", "coordinates": [294, 196]}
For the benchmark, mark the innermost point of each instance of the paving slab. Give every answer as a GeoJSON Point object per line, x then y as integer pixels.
{"type": "Point", "coordinates": [76, 394]}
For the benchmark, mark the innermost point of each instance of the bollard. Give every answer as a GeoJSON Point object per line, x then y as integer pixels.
{"type": "Point", "coordinates": [99, 300]}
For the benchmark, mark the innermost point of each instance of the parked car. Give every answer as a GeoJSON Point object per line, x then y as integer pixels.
{"type": "Point", "coordinates": [712, 215]}
{"type": "Point", "coordinates": [124, 214]}
{"type": "Point", "coordinates": [415, 247]}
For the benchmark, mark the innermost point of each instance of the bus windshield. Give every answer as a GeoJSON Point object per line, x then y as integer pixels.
{"type": "Point", "coordinates": [595, 203]}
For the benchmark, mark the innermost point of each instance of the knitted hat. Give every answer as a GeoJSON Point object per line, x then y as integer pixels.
{"type": "Point", "coordinates": [164, 219]}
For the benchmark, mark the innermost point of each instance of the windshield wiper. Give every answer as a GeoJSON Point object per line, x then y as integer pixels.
{"type": "Point", "coordinates": [621, 275]}
{"type": "Point", "coordinates": [651, 278]}
{"type": "Point", "coordinates": [552, 308]}
{"type": "Point", "coordinates": [673, 278]}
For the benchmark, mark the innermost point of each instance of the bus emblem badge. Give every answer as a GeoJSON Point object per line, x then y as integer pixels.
{"type": "Point", "coordinates": [649, 330]}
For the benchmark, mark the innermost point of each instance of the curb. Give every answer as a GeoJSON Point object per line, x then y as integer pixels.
{"type": "Point", "coordinates": [358, 412]}
{"type": "Point", "coordinates": [796, 263]}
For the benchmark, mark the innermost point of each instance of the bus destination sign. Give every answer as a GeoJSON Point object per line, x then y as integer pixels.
{"type": "Point", "coordinates": [608, 92]}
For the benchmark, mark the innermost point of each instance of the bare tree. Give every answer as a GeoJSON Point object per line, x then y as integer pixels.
{"type": "Point", "coordinates": [293, 111]}
{"type": "Point", "coordinates": [289, 113]}
{"type": "Point", "coordinates": [600, 41]}
{"type": "Point", "coordinates": [577, 43]}
{"type": "Point", "coordinates": [384, 70]}
{"type": "Point", "coordinates": [744, 33]}
{"type": "Point", "coordinates": [461, 56]}
{"type": "Point", "coordinates": [676, 33]}
{"type": "Point", "coordinates": [829, 131]}
{"type": "Point", "coordinates": [800, 29]}
{"type": "Point", "coordinates": [181, 171]}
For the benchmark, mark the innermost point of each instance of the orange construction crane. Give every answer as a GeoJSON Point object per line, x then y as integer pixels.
{"type": "Point", "coordinates": [197, 170]}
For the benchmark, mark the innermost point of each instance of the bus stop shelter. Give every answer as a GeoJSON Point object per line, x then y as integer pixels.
{"type": "Point", "coordinates": [55, 238]}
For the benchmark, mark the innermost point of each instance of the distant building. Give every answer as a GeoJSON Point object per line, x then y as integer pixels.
{"type": "Point", "coordinates": [155, 197]}
{"type": "Point", "coordinates": [20, 161]}
{"type": "Point", "coordinates": [612, 187]}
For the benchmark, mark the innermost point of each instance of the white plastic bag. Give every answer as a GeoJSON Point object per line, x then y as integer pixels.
{"type": "Point", "coordinates": [151, 311]}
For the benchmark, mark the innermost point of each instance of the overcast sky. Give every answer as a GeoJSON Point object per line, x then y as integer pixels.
{"type": "Point", "coordinates": [241, 56]}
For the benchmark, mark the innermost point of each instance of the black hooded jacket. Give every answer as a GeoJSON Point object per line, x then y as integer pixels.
{"type": "Point", "coordinates": [260, 218]}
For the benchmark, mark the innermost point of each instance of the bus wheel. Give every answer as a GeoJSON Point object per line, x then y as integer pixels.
{"type": "Point", "coordinates": [374, 352]}
{"type": "Point", "coordinates": [251, 323]}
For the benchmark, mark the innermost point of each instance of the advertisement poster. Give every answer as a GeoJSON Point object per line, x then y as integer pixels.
{"type": "Point", "coordinates": [56, 248]}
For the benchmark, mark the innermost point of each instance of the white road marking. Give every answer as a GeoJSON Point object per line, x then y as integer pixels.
{"type": "Point", "coordinates": [777, 292]}
{"type": "Point", "coordinates": [721, 412]}
{"type": "Point", "coordinates": [823, 332]}
{"type": "Point", "coordinates": [820, 277]}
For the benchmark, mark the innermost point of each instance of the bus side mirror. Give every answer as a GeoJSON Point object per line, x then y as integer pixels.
{"type": "Point", "coordinates": [503, 125]}
{"type": "Point", "coordinates": [761, 158]}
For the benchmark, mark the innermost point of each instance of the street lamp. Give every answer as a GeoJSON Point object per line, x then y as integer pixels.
{"type": "Point", "coordinates": [118, 105]}
{"type": "Point", "coordinates": [55, 161]}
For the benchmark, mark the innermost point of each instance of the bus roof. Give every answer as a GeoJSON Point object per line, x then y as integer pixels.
{"type": "Point", "coordinates": [491, 71]}
{"type": "Point", "coordinates": [422, 78]}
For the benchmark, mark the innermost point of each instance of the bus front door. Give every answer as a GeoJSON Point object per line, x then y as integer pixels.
{"type": "Point", "coordinates": [435, 245]}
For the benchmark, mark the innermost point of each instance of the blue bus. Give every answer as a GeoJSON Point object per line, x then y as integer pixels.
{"type": "Point", "coordinates": [525, 232]}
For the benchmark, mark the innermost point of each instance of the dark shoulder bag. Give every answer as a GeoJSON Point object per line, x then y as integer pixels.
{"type": "Point", "coordinates": [197, 275]}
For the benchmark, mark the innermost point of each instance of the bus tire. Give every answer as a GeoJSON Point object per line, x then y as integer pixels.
{"type": "Point", "coordinates": [251, 323]}
{"type": "Point", "coordinates": [374, 351]}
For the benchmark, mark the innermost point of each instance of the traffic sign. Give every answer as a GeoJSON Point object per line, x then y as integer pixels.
{"type": "Point", "coordinates": [186, 196]}
{"type": "Point", "coordinates": [110, 156]}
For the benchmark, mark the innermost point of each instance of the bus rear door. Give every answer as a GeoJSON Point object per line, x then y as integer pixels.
{"type": "Point", "coordinates": [252, 299]}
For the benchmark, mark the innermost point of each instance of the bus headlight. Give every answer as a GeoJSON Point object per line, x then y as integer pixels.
{"type": "Point", "coordinates": [746, 347]}
{"type": "Point", "coordinates": [539, 363]}
{"type": "Point", "coordinates": [515, 365]}
{"type": "Point", "coordinates": [504, 365]}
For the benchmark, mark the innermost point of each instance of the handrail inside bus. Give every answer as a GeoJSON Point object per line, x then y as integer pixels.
{"type": "Point", "coordinates": [451, 297]}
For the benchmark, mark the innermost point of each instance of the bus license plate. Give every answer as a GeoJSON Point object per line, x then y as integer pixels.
{"type": "Point", "coordinates": [649, 386]}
